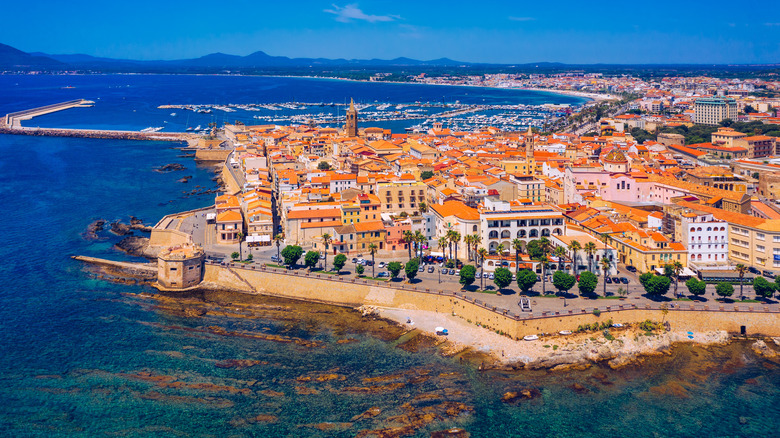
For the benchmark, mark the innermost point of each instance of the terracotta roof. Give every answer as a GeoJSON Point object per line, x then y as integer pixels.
{"type": "Point", "coordinates": [229, 216]}
{"type": "Point", "coordinates": [457, 209]}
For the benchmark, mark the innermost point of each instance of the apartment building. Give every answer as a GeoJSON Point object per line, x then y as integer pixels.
{"type": "Point", "coordinates": [713, 110]}
{"type": "Point", "coordinates": [404, 195]}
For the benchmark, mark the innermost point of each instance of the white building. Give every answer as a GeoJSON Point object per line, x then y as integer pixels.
{"type": "Point", "coordinates": [501, 223]}
{"type": "Point", "coordinates": [706, 238]}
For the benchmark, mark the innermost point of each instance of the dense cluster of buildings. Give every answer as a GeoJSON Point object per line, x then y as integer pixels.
{"type": "Point", "coordinates": [707, 206]}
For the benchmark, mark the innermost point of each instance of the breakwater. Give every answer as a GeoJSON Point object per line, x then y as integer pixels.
{"type": "Point", "coordinates": [95, 133]}
{"type": "Point", "coordinates": [14, 119]}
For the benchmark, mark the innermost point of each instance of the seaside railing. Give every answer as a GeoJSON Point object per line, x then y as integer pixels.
{"type": "Point", "coordinates": [676, 307]}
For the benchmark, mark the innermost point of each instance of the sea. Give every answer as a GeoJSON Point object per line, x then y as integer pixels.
{"type": "Point", "coordinates": [82, 356]}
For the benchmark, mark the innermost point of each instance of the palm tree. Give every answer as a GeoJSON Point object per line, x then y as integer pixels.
{"type": "Point", "coordinates": [419, 238]}
{"type": "Point", "coordinates": [468, 240]}
{"type": "Point", "coordinates": [326, 239]}
{"type": "Point", "coordinates": [455, 240]}
{"type": "Point", "coordinates": [517, 245]}
{"type": "Point", "coordinates": [605, 265]}
{"type": "Point", "coordinates": [590, 249]}
{"type": "Point", "coordinates": [442, 245]}
{"type": "Point", "coordinates": [677, 269]}
{"type": "Point", "coordinates": [476, 239]}
{"type": "Point", "coordinates": [372, 250]}
{"type": "Point", "coordinates": [500, 250]}
{"type": "Point", "coordinates": [423, 207]}
{"type": "Point", "coordinates": [450, 237]}
{"type": "Point", "coordinates": [482, 254]}
{"type": "Point", "coordinates": [240, 238]}
{"type": "Point", "coordinates": [545, 247]}
{"type": "Point", "coordinates": [574, 246]}
{"type": "Point", "coordinates": [278, 239]}
{"type": "Point", "coordinates": [409, 238]}
{"type": "Point", "coordinates": [559, 252]}
{"type": "Point", "coordinates": [741, 270]}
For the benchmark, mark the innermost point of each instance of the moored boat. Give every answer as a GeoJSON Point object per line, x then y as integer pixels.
{"type": "Point", "coordinates": [530, 338]}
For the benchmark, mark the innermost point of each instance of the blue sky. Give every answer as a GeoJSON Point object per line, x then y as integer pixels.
{"type": "Point", "coordinates": [476, 31]}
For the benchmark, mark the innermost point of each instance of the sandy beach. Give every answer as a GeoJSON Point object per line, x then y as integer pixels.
{"type": "Point", "coordinates": [554, 351]}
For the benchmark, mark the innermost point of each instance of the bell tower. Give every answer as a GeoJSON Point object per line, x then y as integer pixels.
{"type": "Point", "coordinates": [529, 151]}
{"type": "Point", "coordinates": [351, 127]}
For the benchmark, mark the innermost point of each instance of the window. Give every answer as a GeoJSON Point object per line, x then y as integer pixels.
{"type": "Point", "coordinates": [760, 248]}
{"type": "Point", "coordinates": [760, 236]}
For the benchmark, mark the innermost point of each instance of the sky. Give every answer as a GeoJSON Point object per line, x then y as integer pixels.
{"type": "Point", "coordinates": [491, 31]}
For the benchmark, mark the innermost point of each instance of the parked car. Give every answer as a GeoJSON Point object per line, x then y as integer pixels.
{"type": "Point", "coordinates": [354, 260]}
{"type": "Point", "coordinates": [381, 265]}
{"type": "Point", "coordinates": [607, 280]}
{"type": "Point", "coordinates": [486, 275]}
{"type": "Point", "coordinates": [615, 280]}
{"type": "Point", "coordinates": [457, 272]}
{"type": "Point", "coordinates": [624, 280]}
{"type": "Point", "coordinates": [431, 269]}
{"type": "Point", "coordinates": [630, 268]}
{"type": "Point", "coordinates": [274, 258]}
{"type": "Point", "coordinates": [322, 256]}
{"type": "Point", "coordinates": [514, 277]}
{"type": "Point", "coordinates": [445, 271]}
{"type": "Point", "coordinates": [452, 271]}
{"type": "Point", "coordinates": [383, 274]}
{"type": "Point", "coordinates": [421, 268]}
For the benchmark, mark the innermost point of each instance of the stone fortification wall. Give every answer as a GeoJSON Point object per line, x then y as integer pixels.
{"type": "Point", "coordinates": [167, 238]}
{"type": "Point", "coordinates": [323, 288]}
{"type": "Point", "coordinates": [231, 185]}
{"type": "Point", "coordinates": [212, 154]}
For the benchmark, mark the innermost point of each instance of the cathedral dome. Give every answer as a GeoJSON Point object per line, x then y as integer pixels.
{"type": "Point", "coordinates": [616, 156]}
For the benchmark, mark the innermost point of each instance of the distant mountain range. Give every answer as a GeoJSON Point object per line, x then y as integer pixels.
{"type": "Point", "coordinates": [14, 58]}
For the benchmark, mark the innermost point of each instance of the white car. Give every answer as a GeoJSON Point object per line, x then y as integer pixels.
{"type": "Point", "coordinates": [381, 265]}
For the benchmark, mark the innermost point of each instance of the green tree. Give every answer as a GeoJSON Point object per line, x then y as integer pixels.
{"type": "Point", "coordinates": [394, 268]}
{"type": "Point", "coordinates": [323, 165]}
{"type": "Point", "coordinates": [468, 275]}
{"type": "Point", "coordinates": [658, 285]}
{"type": "Point", "coordinates": [645, 278]}
{"type": "Point", "coordinates": [587, 283]}
{"type": "Point", "coordinates": [502, 277]}
{"type": "Point", "coordinates": [563, 281]}
{"type": "Point", "coordinates": [606, 264]}
{"type": "Point", "coordinates": [235, 255]}
{"type": "Point", "coordinates": [724, 289]}
{"type": "Point", "coordinates": [696, 287]}
{"type": "Point", "coordinates": [763, 288]}
{"type": "Point", "coordinates": [250, 257]}
{"type": "Point", "coordinates": [359, 269]}
{"type": "Point", "coordinates": [526, 279]}
{"type": "Point", "coordinates": [411, 268]}
{"type": "Point", "coordinates": [338, 262]}
{"type": "Point", "coordinates": [291, 254]}
{"type": "Point", "coordinates": [311, 259]}
{"type": "Point", "coordinates": [426, 174]}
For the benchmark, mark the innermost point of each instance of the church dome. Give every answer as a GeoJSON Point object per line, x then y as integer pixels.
{"type": "Point", "coordinates": [616, 156]}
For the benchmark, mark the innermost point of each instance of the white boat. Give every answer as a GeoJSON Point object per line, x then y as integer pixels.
{"type": "Point", "coordinates": [441, 331]}
{"type": "Point", "coordinates": [530, 338]}
{"type": "Point", "coordinates": [564, 332]}
{"type": "Point", "coordinates": [173, 114]}
{"type": "Point", "coordinates": [617, 325]}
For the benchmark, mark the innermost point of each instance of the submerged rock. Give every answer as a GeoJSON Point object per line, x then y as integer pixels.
{"type": "Point", "coordinates": [172, 167]}
{"type": "Point", "coordinates": [762, 349]}
{"type": "Point", "coordinates": [370, 413]}
{"type": "Point", "coordinates": [92, 229]}
{"type": "Point", "coordinates": [450, 433]}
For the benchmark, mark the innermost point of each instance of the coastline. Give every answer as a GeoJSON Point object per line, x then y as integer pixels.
{"type": "Point", "coordinates": [555, 352]}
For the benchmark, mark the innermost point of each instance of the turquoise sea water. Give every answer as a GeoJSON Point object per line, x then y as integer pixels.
{"type": "Point", "coordinates": [86, 357]}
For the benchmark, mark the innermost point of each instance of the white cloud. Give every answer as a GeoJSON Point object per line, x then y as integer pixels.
{"type": "Point", "coordinates": [351, 12]}
{"type": "Point", "coordinates": [522, 18]}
